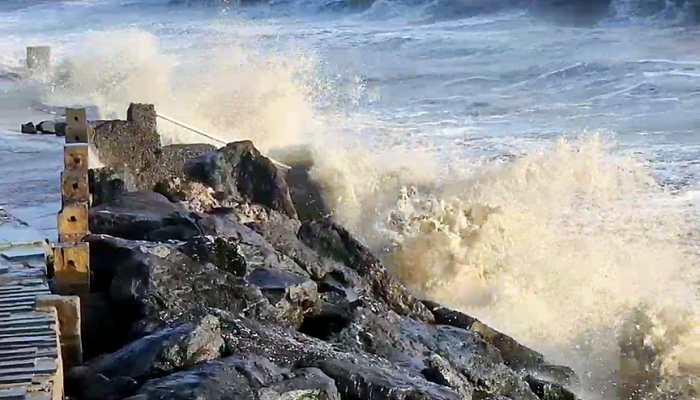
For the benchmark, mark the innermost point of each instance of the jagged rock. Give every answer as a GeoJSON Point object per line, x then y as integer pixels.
{"type": "Point", "coordinates": [221, 251]}
{"type": "Point", "coordinates": [284, 347]}
{"type": "Point", "coordinates": [328, 320]}
{"type": "Point", "coordinates": [85, 385]}
{"type": "Point", "coordinates": [405, 341]}
{"type": "Point", "coordinates": [548, 390]}
{"type": "Point", "coordinates": [170, 179]}
{"type": "Point", "coordinates": [515, 355]}
{"type": "Point", "coordinates": [107, 184]}
{"type": "Point", "coordinates": [440, 371]}
{"type": "Point", "coordinates": [238, 172]}
{"type": "Point", "coordinates": [52, 127]}
{"type": "Point", "coordinates": [371, 379]}
{"type": "Point", "coordinates": [143, 216]}
{"type": "Point", "coordinates": [28, 128]}
{"type": "Point", "coordinates": [214, 380]}
{"type": "Point", "coordinates": [257, 251]}
{"type": "Point", "coordinates": [167, 350]}
{"type": "Point", "coordinates": [161, 282]}
{"type": "Point", "coordinates": [281, 232]}
{"type": "Point", "coordinates": [334, 241]}
{"type": "Point", "coordinates": [304, 384]}
{"type": "Point", "coordinates": [306, 194]}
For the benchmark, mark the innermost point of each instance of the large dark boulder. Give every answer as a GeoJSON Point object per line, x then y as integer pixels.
{"type": "Point", "coordinates": [106, 184]}
{"type": "Point", "coordinates": [52, 127]}
{"type": "Point", "coordinates": [160, 282]}
{"type": "Point", "coordinates": [335, 242]}
{"type": "Point", "coordinates": [28, 128]}
{"type": "Point", "coordinates": [239, 173]}
{"type": "Point", "coordinates": [165, 351]}
{"type": "Point", "coordinates": [414, 345]}
{"type": "Point", "coordinates": [143, 216]}
{"type": "Point", "coordinates": [515, 355]}
{"type": "Point", "coordinates": [365, 378]}
{"type": "Point", "coordinates": [302, 384]}
{"type": "Point", "coordinates": [214, 380]}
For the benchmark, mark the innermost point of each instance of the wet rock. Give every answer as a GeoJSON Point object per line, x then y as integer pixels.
{"type": "Point", "coordinates": [306, 194]}
{"type": "Point", "coordinates": [406, 342]}
{"type": "Point", "coordinates": [303, 384]}
{"type": "Point", "coordinates": [167, 350]}
{"type": "Point", "coordinates": [143, 216]}
{"type": "Point", "coordinates": [238, 172]}
{"type": "Point", "coordinates": [440, 371]}
{"type": "Point", "coordinates": [258, 252]}
{"type": "Point", "coordinates": [214, 380]}
{"type": "Point", "coordinates": [329, 320]}
{"type": "Point", "coordinates": [372, 379]}
{"type": "Point", "coordinates": [28, 128]}
{"type": "Point", "coordinates": [107, 184]}
{"type": "Point", "coordinates": [223, 252]}
{"type": "Point", "coordinates": [161, 282]}
{"type": "Point", "coordinates": [284, 347]}
{"type": "Point", "coordinates": [52, 127]}
{"type": "Point", "coordinates": [83, 384]}
{"type": "Point", "coordinates": [335, 242]}
{"type": "Point", "coordinates": [548, 390]}
{"type": "Point", "coordinates": [164, 351]}
{"type": "Point", "coordinates": [515, 355]}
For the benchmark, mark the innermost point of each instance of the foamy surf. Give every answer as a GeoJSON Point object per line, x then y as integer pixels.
{"type": "Point", "coordinates": [570, 245]}
{"type": "Point", "coordinates": [564, 248]}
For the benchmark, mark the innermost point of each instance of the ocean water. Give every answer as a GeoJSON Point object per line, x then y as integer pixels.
{"type": "Point", "coordinates": [539, 169]}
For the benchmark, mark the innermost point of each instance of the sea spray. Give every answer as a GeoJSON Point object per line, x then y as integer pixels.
{"type": "Point", "coordinates": [241, 92]}
{"type": "Point", "coordinates": [561, 248]}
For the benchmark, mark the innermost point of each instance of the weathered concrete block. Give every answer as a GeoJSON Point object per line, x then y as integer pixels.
{"type": "Point", "coordinates": [75, 157]}
{"type": "Point", "coordinates": [74, 186]}
{"type": "Point", "coordinates": [73, 222]}
{"type": "Point", "coordinates": [68, 309]}
{"type": "Point", "coordinates": [77, 130]}
{"type": "Point", "coordinates": [132, 145]}
{"type": "Point", "coordinates": [142, 115]}
{"type": "Point", "coordinates": [72, 268]}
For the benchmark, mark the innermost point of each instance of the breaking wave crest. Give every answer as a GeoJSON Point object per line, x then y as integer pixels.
{"type": "Point", "coordinates": [240, 92]}
{"type": "Point", "coordinates": [573, 250]}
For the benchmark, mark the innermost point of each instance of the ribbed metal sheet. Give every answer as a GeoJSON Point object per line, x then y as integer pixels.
{"type": "Point", "coordinates": [29, 358]}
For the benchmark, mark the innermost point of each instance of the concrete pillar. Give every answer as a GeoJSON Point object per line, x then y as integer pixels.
{"type": "Point", "coordinates": [68, 311]}
{"type": "Point", "coordinates": [142, 115]}
{"type": "Point", "coordinates": [71, 254]}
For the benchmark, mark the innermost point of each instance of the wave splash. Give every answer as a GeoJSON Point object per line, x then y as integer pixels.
{"type": "Point", "coordinates": [574, 250]}
{"type": "Point", "coordinates": [241, 92]}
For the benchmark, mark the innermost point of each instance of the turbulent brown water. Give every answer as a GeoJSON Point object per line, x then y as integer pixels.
{"type": "Point", "coordinates": [539, 176]}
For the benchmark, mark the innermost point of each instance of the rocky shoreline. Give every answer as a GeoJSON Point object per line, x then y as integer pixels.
{"type": "Point", "coordinates": [217, 274]}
